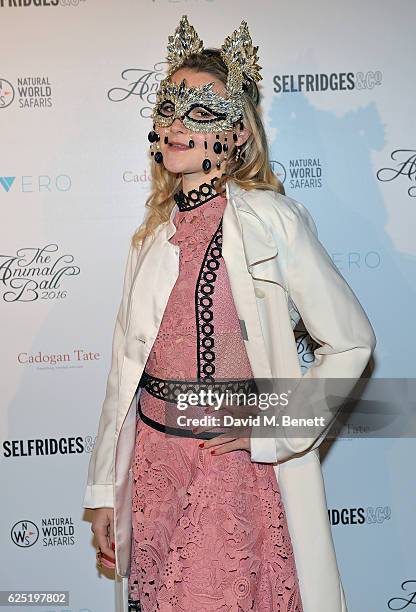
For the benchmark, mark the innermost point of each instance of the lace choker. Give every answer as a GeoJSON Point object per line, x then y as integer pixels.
{"type": "Point", "coordinates": [196, 197]}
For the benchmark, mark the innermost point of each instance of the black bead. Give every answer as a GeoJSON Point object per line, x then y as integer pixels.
{"type": "Point", "coordinates": [225, 147]}
{"type": "Point", "coordinates": [241, 125]}
{"type": "Point", "coordinates": [206, 165]}
{"type": "Point", "coordinates": [205, 144]}
{"type": "Point", "coordinates": [217, 147]}
{"type": "Point", "coordinates": [235, 137]}
{"type": "Point", "coordinates": [153, 136]}
{"type": "Point", "coordinates": [191, 144]}
{"type": "Point", "coordinates": [158, 157]}
{"type": "Point", "coordinates": [166, 140]}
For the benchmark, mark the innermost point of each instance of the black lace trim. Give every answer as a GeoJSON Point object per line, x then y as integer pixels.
{"type": "Point", "coordinates": [204, 306]}
{"type": "Point", "coordinates": [196, 197]}
{"type": "Point", "coordinates": [168, 390]}
{"type": "Point", "coordinates": [134, 606]}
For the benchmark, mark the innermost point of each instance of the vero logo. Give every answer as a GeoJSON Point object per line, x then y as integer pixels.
{"type": "Point", "coordinates": [6, 182]}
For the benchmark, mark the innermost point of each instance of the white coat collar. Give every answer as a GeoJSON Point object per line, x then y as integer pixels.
{"type": "Point", "coordinates": [259, 244]}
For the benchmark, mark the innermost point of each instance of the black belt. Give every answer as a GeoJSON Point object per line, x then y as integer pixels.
{"type": "Point", "coordinates": [174, 431]}
{"type": "Point", "coordinates": [168, 390]}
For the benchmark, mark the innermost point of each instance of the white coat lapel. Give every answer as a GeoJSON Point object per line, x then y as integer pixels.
{"type": "Point", "coordinates": [242, 286]}
{"type": "Point", "coordinates": [261, 247]}
{"type": "Point", "coordinates": [258, 241]}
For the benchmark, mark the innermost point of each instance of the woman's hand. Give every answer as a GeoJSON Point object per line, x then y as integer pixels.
{"type": "Point", "coordinates": [103, 530]}
{"type": "Point", "coordinates": [237, 438]}
{"type": "Point", "coordinates": [221, 445]}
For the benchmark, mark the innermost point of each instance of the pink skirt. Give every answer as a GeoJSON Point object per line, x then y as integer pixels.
{"type": "Point", "coordinates": [209, 532]}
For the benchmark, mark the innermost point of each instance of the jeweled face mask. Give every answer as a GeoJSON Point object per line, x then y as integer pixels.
{"type": "Point", "coordinates": [200, 108]}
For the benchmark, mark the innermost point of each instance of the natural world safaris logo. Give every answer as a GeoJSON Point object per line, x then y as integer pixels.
{"type": "Point", "coordinates": [56, 531]}
{"type": "Point", "coordinates": [6, 93]}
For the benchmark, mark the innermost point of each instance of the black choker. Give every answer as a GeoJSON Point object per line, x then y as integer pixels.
{"type": "Point", "coordinates": [196, 197]}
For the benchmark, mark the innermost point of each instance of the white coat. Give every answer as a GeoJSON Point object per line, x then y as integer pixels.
{"type": "Point", "coordinates": [278, 271]}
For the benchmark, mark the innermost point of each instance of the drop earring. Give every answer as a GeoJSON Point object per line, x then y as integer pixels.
{"type": "Point", "coordinates": [225, 147]}
{"type": "Point", "coordinates": [206, 164]}
{"type": "Point", "coordinates": [218, 150]}
{"type": "Point", "coordinates": [235, 137]}
{"type": "Point", "coordinates": [153, 138]}
{"type": "Point", "coordinates": [158, 154]}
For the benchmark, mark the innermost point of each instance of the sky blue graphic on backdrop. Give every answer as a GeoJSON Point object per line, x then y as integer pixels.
{"type": "Point", "coordinates": [350, 215]}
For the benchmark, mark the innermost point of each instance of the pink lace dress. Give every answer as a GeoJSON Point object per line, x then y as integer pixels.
{"type": "Point", "coordinates": [209, 532]}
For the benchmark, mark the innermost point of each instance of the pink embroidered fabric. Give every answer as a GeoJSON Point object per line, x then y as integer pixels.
{"type": "Point", "coordinates": [209, 532]}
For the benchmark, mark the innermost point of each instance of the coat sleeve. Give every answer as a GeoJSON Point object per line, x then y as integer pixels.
{"type": "Point", "coordinates": [99, 490]}
{"type": "Point", "coordinates": [335, 319]}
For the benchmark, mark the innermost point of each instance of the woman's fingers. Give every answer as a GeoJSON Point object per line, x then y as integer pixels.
{"type": "Point", "coordinates": [232, 445]}
{"type": "Point", "coordinates": [238, 439]}
{"type": "Point", "coordinates": [103, 526]}
{"type": "Point", "coordinates": [111, 533]}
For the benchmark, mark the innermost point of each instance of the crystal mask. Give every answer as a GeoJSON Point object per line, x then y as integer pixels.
{"type": "Point", "coordinates": [200, 108]}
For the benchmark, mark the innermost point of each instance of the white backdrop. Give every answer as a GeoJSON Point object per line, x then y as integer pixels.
{"type": "Point", "coordinates": [77, 83]}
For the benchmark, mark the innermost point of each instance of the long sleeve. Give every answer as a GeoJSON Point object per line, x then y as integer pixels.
{"type": "Point", "coordinates": [335, 319]}
{"type": "Point", "coordinates": [99, 490]}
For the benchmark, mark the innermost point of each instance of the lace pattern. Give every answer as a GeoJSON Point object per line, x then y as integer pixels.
{"type": "Point", "coordinates": [209, 532]}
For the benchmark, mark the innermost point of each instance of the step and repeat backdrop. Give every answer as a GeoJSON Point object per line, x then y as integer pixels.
{"type": "Point", "coordinates": [77, 85]}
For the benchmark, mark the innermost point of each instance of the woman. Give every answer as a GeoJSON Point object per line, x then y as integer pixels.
{"type": "Point", "coordinates": [218, 524]}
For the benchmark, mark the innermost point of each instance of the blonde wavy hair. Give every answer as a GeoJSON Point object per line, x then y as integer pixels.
{"type": "Point", "coordinates": [251, 171]}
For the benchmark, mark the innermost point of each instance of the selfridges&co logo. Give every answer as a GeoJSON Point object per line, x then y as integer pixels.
{"type": "Point", "coordinates": [405, 166]}
{"type": "Point", "coordinates": [53, 531]}
{"type": "Point", "coordinates": [334, 81]}
{"type": "Point", "coordinates": [44, 3]}
{"type": "Point", "coordinates": [29, 91]}
{"type": "Point", "coordinates": [359, 516]}
{"type": "Point", "coordinates": [48, 447]}
{"type": "Point", "coordinates": [36, 273]}
{"type": "Point", "coordinates": [141, 83]}
{"type": "Point", "coordinates": [302, 172]}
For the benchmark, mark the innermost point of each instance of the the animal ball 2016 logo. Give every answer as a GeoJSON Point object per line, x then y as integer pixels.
{"type": "Point", "coordinates": [35, 273]}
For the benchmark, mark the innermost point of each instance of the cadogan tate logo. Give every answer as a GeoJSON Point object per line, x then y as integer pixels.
{"type": "Point", "coordinates": [43, 360]}
{"type": "Point", "coordinates": [138, 178]}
